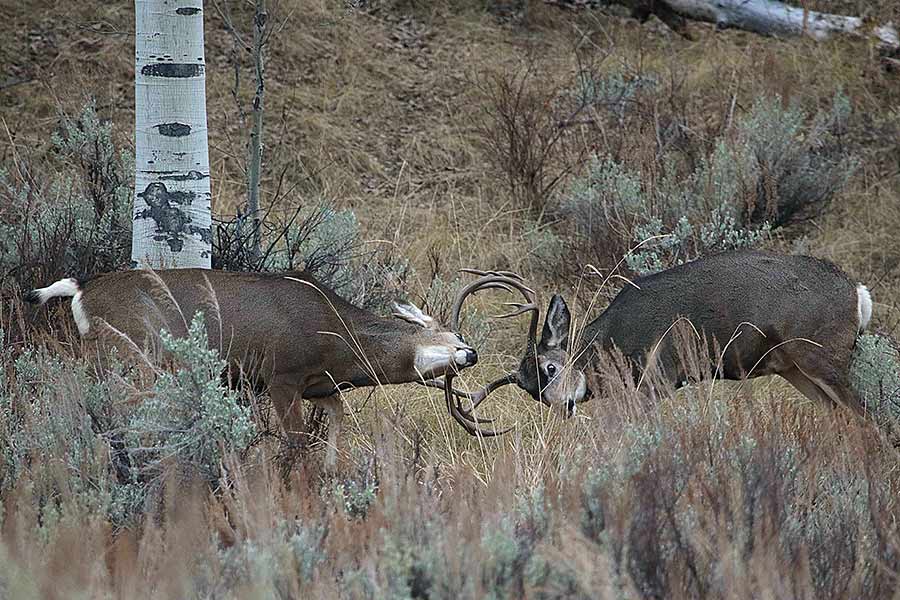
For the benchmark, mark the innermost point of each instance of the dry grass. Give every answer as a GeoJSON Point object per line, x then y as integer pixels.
{"type": "Point", "coordinates": [380, 112]}
{"type": "Point", "coordinates": [707, 493]}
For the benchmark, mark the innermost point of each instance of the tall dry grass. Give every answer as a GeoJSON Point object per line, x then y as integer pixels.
{"type": "Point", "coordinates": [715, 491]}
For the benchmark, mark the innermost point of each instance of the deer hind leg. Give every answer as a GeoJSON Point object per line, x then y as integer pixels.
{"type": "Point", "coordinates": [828, 390]}
{"type": "Point", "coordinates": [806, 386]}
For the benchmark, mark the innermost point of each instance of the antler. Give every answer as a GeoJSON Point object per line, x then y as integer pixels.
{"type": "Point", "coordinates": [462, 417]}
{"type": "Point", "coordinates": [476, 397]}
{"type": "Point", "coordinates": [504, 280]}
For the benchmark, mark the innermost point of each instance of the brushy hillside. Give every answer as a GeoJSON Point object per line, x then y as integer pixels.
{"type": "Point", "coordinates": [406, 140]}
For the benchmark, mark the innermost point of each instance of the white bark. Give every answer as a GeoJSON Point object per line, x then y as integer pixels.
{"type": "Point", "coordinates": [776, 18]}
{"type": "Point", "coordinates": [172, 195]}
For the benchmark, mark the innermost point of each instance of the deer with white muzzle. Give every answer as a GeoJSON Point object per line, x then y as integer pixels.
{"type": "Point", "coordinates": [286, 330]}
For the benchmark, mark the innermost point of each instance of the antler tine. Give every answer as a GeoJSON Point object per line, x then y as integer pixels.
{"type": "Point", "coordinates": [520, 308]}
{"type": "Point", "coordinates": [474, 396]}
{"type": "Point", "coordinates": [457, 414]}
{"type": "Point", "coordinates": [481, 395]}
{"type": "Point", "coordinates": [493, 280]}
{"type": "Point", "coordinates": [509, 274]}
{"type": "Point", "coordinates": [494, 285]}
{"type": "Point", "coordinates": [508, 281]}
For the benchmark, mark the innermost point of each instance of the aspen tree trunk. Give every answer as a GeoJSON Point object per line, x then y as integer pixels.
{"type": "Point", "coordinates": [172, 195]}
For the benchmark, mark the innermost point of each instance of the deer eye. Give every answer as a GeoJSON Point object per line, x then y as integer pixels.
{"type": "Point", "coordinates": [551, 369]}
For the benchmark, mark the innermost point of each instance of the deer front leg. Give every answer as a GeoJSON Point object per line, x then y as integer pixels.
{"type": "Point", "coordinates": [287, 398]}
{"type": "Point", "coordinates": [334, 408]}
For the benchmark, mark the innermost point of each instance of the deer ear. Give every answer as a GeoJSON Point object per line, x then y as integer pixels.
{"type": "Point", "coordinates": [556, 325]}
{"type": "Point", "coordinates": [412, 314]}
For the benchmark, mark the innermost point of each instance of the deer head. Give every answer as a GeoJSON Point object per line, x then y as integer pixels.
{"type": "Point", "coordinates": [546, 371]}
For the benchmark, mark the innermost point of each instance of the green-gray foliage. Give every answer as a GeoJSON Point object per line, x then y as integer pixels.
{"type": "Point", "coordinates": [543, 249]}
{"type": "Point", "coordinates": [74, 435]}
{"type": "Point", "coordinates": [356, 494]}
{"type": "Point", "coordinates": [607, 194]}
{"type": "Point", "coordinates": [779, 166]}
{"type": "Point", "coordinates": [657, 250]}
{"type": "Point", "coordinates": [324, 241]}
{"type": "Point", "coordinates": [56, 429]}
{"type": "Point", "coordinates": [320, 240]}
{"type": "Point", "coordinates": [799, 167]}
{"type": "Point", "coordinates": [612, 92]}
{"type": "Point", "coordinates": [191, 419]}
{"type": "Point", "coordinates": [288, 551]}
{"type": "Point", "coordinates": [72, 219]}
{"type": "Point", "coordinates": [107, 171]}
{"type": "Point", "coordinates": [875, 376]}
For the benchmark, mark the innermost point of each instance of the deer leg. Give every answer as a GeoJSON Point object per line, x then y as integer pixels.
{"type": "Point", "coordinates": [805, 386]}
{"type": "Point", "coordinates": [288, 403]}
{"type": "Point", "coordinates": [829, 391]}
{"type": "Point", "coordinates": [840, 394]}
{"type": "Point", "coordinates": [335, 410]}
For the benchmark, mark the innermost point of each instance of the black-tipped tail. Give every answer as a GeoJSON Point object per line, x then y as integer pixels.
{"type": "Point", "coordinates": [65, 288]}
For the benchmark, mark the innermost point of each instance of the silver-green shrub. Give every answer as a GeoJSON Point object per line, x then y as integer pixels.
{"type": "Point", "coordinates": [875, 376]}
{"type": "Point", "coordinates": [778, 166]}
{"type": "Point", "coordinates": [58, 432]}
{"type": "Point", "coordinates": [613, 92]}
{"type": "Point", "coordinates": [285, 552]}
{"type": "Point", "coordinates": [799, 167]}
{"type": "Point", "coordinates": [191, 419]}
{"type": "Point", "coordinates": [71, 215]}
{"type": "Point", "coordinates": [322, 240]}
{"type": "Point", "coordinates": [657, 249]}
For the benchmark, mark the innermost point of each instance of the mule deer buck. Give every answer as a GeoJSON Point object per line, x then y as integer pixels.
{"type": "Point", "coordinates": [761, 314]}
{"type": "Point", "coordinates": [285, 329]}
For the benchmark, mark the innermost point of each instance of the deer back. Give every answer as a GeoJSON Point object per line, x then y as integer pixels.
{"type": "Point", "coordinates": [755, 308]}
{"type": "Point", "coordinates": [281, 323]}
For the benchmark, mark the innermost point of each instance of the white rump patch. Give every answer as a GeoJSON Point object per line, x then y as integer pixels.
{"type": "Point", "coordinates": [863, 306]}
{"type": "Point", "coordinates": [80, 314]}
{"type": "Point", "coordinates": [412, 314]}
{"type": "Point", "coordinates": [64, 287]}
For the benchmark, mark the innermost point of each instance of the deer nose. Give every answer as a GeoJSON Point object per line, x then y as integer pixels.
{"type": "Point", "coordinates": [465, 357]}
{"type": "Point", "coordinates": [471, 357]}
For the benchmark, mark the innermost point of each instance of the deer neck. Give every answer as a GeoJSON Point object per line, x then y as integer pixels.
{"type": "Point", "coordinates": [378, 351]}
{"type": "Point", "coordinates": [593, 339]}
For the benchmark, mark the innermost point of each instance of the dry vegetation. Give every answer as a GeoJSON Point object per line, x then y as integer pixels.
{"type": "Point", "coordinates": [458, 137]}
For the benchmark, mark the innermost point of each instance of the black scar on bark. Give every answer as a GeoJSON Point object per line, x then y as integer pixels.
{"type": "Point", "coordinates": [183, 70]}
{"type": "Point", "coordinates": [176, 176]}
{"type": "Point", "coordinates": [187, 11]}
{"type": "Point", "coordinates": [172, 223]}
{"type": "Point", "coordinates": [205, 233]}
{"type": "Point", "coordinates": [174, 129]}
